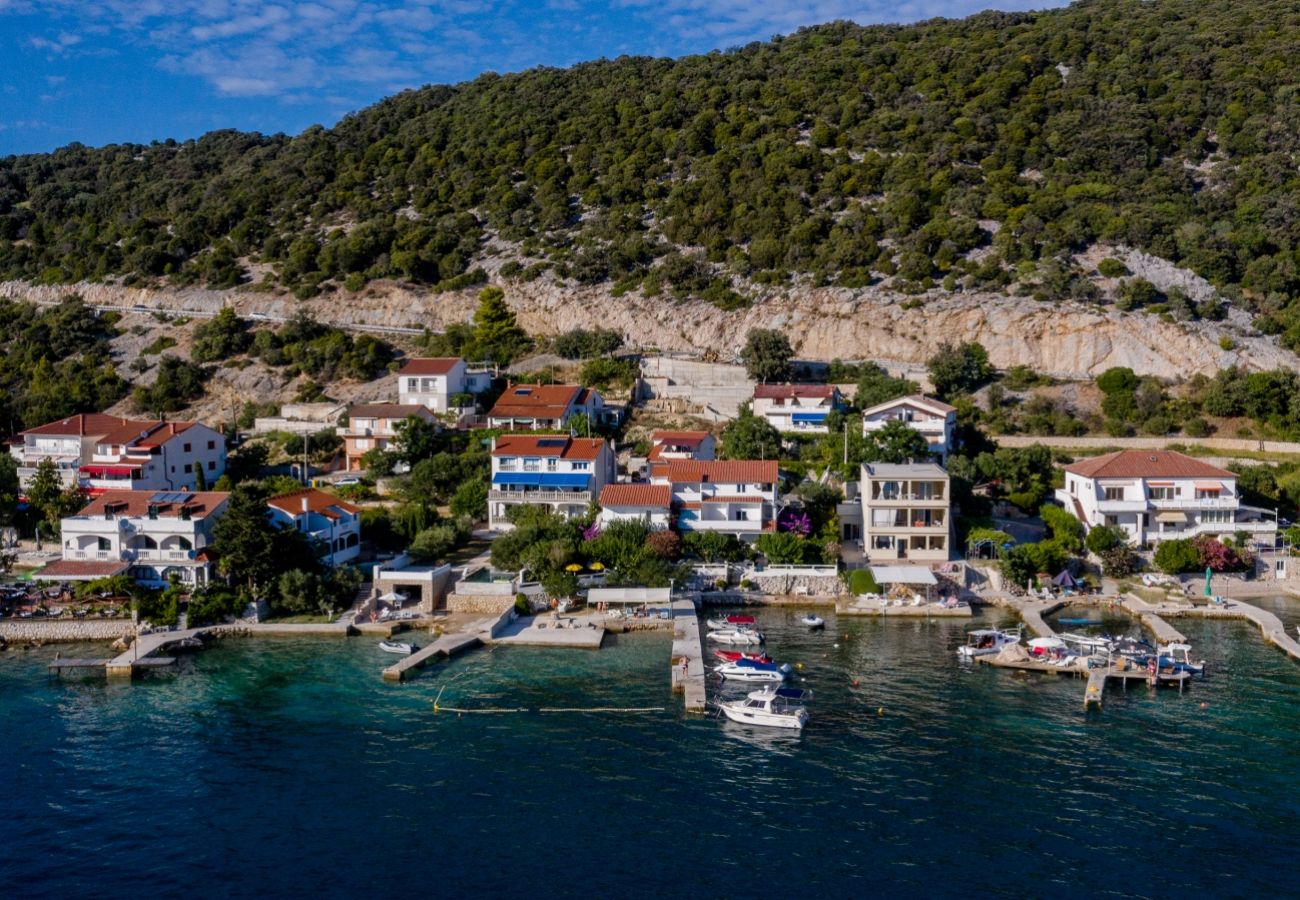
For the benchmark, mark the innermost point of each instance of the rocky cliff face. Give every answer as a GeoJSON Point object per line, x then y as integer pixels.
{"type": "Point", "coordinates": [1065, 340]}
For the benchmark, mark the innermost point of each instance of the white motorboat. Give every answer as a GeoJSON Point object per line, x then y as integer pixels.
{"type": "Point", "coordinates": [1087, 644]}
{"type": "Point", "coordinates": [771, 707]}
{"type": "Point", "coordinates": [987, 641]}
{"type": "Point", "coordinates": [1181, 655]}
{"type": "Point", "coordinates": [749, 670]}
{"type": "Point", "coordinates": [742, 636]}
{"type": "Point", "coordinates": [398, 647]}
{"type": "Point", "coordinates": [813, 621]}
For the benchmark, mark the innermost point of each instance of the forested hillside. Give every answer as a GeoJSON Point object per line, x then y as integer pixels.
{"type": "Point", "coordinates": [982, 153]}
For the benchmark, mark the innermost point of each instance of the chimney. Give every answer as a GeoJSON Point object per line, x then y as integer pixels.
{"type": "Point", "coordinates": [304, 504]}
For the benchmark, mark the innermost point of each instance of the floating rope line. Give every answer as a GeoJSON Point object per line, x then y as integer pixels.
{"type": "Point", "coordinates": [547, 709]}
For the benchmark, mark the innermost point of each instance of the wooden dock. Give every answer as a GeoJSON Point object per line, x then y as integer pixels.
{"type": "Point", "coordinates": [1096, 686]}
{"type": "Point", "coordinates": [1120, 670]}
{"type": "Point", "coordinates": [445, 647]}
{"type": "Point", "coordinates": [688, 679]}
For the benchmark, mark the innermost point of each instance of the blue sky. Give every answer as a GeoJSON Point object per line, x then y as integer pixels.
{"type": "Point", "coordinates": [107, 71]}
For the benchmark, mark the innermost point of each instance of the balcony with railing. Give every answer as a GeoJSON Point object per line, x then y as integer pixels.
{"type": "Point", "coordinates": [527, 496]}
{"type": "Point", "coordinates": [1219, 502]}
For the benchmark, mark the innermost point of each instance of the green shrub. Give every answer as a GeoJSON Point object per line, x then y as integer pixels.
{"type": "Point", "coordinates": [1175, 556]}
{"type": "Point", "coordinates": [1112, 268]}
{"type": "Point", "coordinates": [1197, 428]}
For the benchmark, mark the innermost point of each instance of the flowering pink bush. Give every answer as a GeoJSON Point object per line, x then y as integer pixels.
{"type": "Point", "coordinates": [1215, 555]}
{"type": "Point", "coordinates": [794, 521]}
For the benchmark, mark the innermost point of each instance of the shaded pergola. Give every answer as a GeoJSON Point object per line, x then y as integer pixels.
{"type": "Point", "coordinates": [915, 577]}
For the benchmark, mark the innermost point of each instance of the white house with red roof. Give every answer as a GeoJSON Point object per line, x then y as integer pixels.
{"type": "Point", "coordinates": [637, 502]}
{"type": "Point", "coordinates": [681, 445]}
{"type": "Point", "coordinates": [524, 407]}
{"type": "Point", "coordinates": [935, 420]}
{"type": "Point", "coordinates": [796, 408]}
{"type": "Point", "coordinates": [1156, 495]}
{"type": "Point", "coordinates": [732, 496]}
{"type": "Point", "coordinates": [148, 535]}
{"type": "Point", "coordinates": [563, 473]}
{"type": "Point", "coordinates": [432, 382]}
{"type": "Point", "coordinates": [333, 525]}
{"type": "Point", "coordinates": [373, 426]}
{"type": "Point", "coordinates": [102, 453]}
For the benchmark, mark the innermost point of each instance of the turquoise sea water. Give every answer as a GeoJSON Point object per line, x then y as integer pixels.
{"type": "Point", "coordinates": [286, 767]}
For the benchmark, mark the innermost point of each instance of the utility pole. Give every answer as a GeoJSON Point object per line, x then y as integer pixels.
{"type": "Point", "coordinates": [305, 439]}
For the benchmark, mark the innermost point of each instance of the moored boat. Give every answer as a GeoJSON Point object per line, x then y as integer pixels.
{"type": "Point", "coordinates": [771, 708]}
{"type": "Point", "coordinates": [1180, 655]}
{"type": "Point", "coordinates": [742, 636]}
{"type": "Point", "coordinates": [813, 621]}
{"type": "Point", "coordinates": [987, 641]}
{"type": "Point", "coordinates": [398, 647]}
{"type": "Point", "coordinates": [730, 621]}
{"type": "Point", "coordinates": [733, 655]}
{"type": "Point", "coordinates": [749, 670]}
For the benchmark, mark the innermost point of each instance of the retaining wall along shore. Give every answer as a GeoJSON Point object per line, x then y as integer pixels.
{"type": "Point", "coordinates": [66, 632]}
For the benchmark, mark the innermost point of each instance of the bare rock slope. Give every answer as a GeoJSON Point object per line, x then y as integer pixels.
{"type": "Point", "coordinates": [1066, 340]}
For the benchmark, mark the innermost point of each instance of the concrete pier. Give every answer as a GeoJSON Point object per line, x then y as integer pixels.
{"type": "Point", "coordinates": [444, 647]}
{"type": "Point", "coordinates": [145, 645]}
{"type": "Point", "coordinates": [688, 656]}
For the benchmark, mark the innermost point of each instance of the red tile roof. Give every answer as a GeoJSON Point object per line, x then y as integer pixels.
{"type": "Point", "coordinates": [144, 434]}
{"type": "Point", "coordinates": [320, 502]}
{"type": "Point", "coordinates": [81, 569]}
{"type": "Point", "coordinates": [135, 504]}
{"type": "Point", "coordinates": [726, 471]}
{"type": "Point", "coordinates": [536, 401]}
{"type": "Point", "coordinates": [429, 365]}
{"type": "Point", "coordinates": [787, 391]}
{"type": "Point", "coordinates": [679, 438]}
{"type": "Point", "coordinates": [1146, 464]}
{"type": "Point", "coordinates": [386, 410]}
{"type": "Point", "coordinates": [88, 424]}
{"type": "Point", "coordinates": [916, 400]}
{"type": "Point", "coordinates": [636, 495]}
{"type": "Point", "coordinates": [558, 445]}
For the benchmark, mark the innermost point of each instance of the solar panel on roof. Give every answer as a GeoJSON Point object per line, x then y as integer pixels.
{"type": "Point", "coordinates": [169, 497]}
{"type": "Point", "coordinates": [552, 442]}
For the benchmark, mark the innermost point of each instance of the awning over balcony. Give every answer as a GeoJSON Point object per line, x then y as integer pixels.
{"type": "Point", "coordinates": [811, 418]}
{"type": "Point", "coordinates": [112, 471]}
{"type": "Point", "coordinates": [1209, 485]}
{"type": "Point", "coordinates": [545, 480]}
{"type": "Point", "coordinates": [1172, 517]}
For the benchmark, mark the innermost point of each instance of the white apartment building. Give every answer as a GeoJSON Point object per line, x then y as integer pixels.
{"type": "Point", "coordinates": [373, 426]}
{"type": "Point", "coordinates": [905, 513]}
{"type": "Point", "coordinates": [796, 408]}
{"type": "Point", "coordinates": [732, 496]}
{"type": "Point", "coordinates": [935, 420]}
{"type": "Point", "coordinates": [106, 453]}
{"type": "Point", "coordinates": [151, 536]}
{"type": "Point", "coordinates": [432, 382]}
{"type": "Point", "coordinates": [333, 525]}
{"type": "Point", "coordinates": [563, 473]}
{"type": "Point", "coordinates": [1156, 495]}
{"type": "Point", "coordinates": [627, 502]}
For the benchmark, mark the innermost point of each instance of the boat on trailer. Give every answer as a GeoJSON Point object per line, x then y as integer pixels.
{"type": "Point", "coordinates": [771, 708]}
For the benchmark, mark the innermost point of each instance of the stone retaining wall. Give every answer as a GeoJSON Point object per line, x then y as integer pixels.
{"type": "Point", "coordinates": [479, 604]}
{"type": "Point", "coordinates": [70, 631]}
{"type": "Point", "coordinates": [809, 585]}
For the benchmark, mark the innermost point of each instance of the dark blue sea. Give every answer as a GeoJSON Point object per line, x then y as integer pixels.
{"type": "Point", "coordinates": [286, 767]}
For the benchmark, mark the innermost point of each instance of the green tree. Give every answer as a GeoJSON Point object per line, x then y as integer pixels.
{"type": "Point", "coordinates": [749, 437]}
{"type": "Point", "coordinates": [876, 386]}
{"type": "Point", "coordinates": [897, 442]}
{"type": "Point", "coordinates": [9, 489]}
{"type": "Point", "coordinates": [470, 500]}
{"type": "Point", "coordinates": [785, 548]}
{"type": "Point", "coordinates": [497, 335]}
{"type": "Point", "coordinates": [767, 354]}
{"type": "Point", "coordinates": [1104, 537]}
{"type": "Point", "coordinates": [1178, 555]}
{"type": "Point", "coordinates": [958, 369]}
{"type": "Point", "coordinates": [713, 546]}
{"type": "Point", "coordinates": [221, 337]}
{"type": "Point", "coordinates": [1065, 529]}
